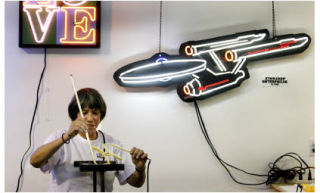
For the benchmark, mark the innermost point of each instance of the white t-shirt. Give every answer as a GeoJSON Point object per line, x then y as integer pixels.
{"type": "Point", "coordinates": [65, 177]}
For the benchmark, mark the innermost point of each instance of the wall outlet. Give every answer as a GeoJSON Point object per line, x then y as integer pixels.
{"type": "Point", "coordinates": [311, 148]}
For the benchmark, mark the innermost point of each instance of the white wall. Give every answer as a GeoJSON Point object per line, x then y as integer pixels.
{"type": "Point", "coordinates": [250, 126]}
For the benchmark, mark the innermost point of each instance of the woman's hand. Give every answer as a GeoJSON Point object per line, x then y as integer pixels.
{"type": "Point", "coordinates": [139, 158]}
{"type": "Point", "coordinates": [78, 125]}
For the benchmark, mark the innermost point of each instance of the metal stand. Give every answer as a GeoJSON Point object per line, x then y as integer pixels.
{"type": "Point", "coordinates": [101, 167]}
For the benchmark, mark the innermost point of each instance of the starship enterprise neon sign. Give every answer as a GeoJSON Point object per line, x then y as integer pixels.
{"type": "Point", "coordinates": [208, 67]}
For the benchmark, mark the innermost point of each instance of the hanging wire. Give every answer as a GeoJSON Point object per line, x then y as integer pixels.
{"type": "Point", "coordinates": [160, 26]}
{"type": "Point", "coordinates": [274, 34]}
{"type": "Point", "coordinates": [32, 121]}
{"type": "Point", "coordinates": [148, 189]}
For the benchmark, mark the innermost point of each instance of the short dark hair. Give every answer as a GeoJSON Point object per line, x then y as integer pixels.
{"type": "Point", "coordinates": [90, 98]}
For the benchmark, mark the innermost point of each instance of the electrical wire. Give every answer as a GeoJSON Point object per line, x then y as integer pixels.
{"type": "Point", "coordinates": [148, 175]}
{"type": "Point", "coordinates": [275, 172]}
{"type": "Point", "coordinates": [274, 33]}
{"type": "Point", "coordinates": [160, 26]}
{"type": "Point", "coordinates": [223, 163]}
{"type": "Point", "coordinates": [31, 125]}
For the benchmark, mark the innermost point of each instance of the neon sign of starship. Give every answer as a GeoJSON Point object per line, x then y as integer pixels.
{"type": "Point", "coordinates": [208, 67]}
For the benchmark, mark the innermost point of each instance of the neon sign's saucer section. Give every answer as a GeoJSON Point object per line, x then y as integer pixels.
{"type": "Point", "coordinates": [160, 70]}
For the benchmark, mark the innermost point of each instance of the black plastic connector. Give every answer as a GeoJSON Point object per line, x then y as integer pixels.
{"type": "Point", "coordinates": [309, 175]}
{"type": "Point", "coordinates": [300, 176]}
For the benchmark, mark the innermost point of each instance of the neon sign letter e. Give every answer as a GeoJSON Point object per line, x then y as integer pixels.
{"type": "Point", "coordinates": [78, 27]}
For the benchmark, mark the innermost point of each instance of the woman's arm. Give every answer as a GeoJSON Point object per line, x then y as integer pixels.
{"type": "Point", "coordinates": [43, 153]}
{"type": "Point", "coordinates": [139, 159]}
{"type": "Point", "coordinates": [137, 178]}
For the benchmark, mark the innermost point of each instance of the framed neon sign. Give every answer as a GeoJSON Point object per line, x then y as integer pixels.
{"type": "Point", "coordinates": [59, 24]}
{"type": "Point", "coordinates": [206, 68]}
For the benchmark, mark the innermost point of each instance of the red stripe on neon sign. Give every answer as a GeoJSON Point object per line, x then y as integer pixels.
{"type": "Point", "coordinates": [282, 45]}
{"type": "Point", "coordinates": [213, 84]}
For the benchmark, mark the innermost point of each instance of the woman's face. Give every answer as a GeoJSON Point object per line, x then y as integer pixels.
{"type": "Point", "coordinates": [92, 118]}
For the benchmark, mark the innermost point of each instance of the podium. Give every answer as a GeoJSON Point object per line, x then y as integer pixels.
{"type": "Point", "coordinates": [100, 168]}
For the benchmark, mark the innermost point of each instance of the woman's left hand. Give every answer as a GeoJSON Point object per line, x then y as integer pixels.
{"type": "Point", "coordinates": [139, 158]}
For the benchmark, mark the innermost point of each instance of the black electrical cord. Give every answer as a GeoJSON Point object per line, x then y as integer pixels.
{"type": "Point", "coordinates": [160, 25]}
{"type": "Point", "coordinates": [274, 173]}
{"type": "Point", "coordinates": [148, 175]}
{"type": "Point", "coordinates": [34, 113]}
{"type": "Point", "coordinates": [287, 174]}
{"type": "Point", "coordinates": [274, 32]}
{"type": "Point", "coordinates": [223, 163]}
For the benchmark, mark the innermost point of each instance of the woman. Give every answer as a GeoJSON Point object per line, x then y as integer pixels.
{"type": "Point", "coordinates": [62, 148]}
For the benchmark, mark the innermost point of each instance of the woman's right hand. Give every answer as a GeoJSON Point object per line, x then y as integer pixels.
{"type": "Point", "coordinates": [78, 125]}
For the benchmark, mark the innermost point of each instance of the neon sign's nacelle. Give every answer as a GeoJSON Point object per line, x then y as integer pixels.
{"type": "Point", "coordinates": [59, 23]}
{"type": "Point", "coordinates": [208, 67]}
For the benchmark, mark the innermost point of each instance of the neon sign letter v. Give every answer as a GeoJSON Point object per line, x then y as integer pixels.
{"type": "Point", "coordinates": [34, 12]}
